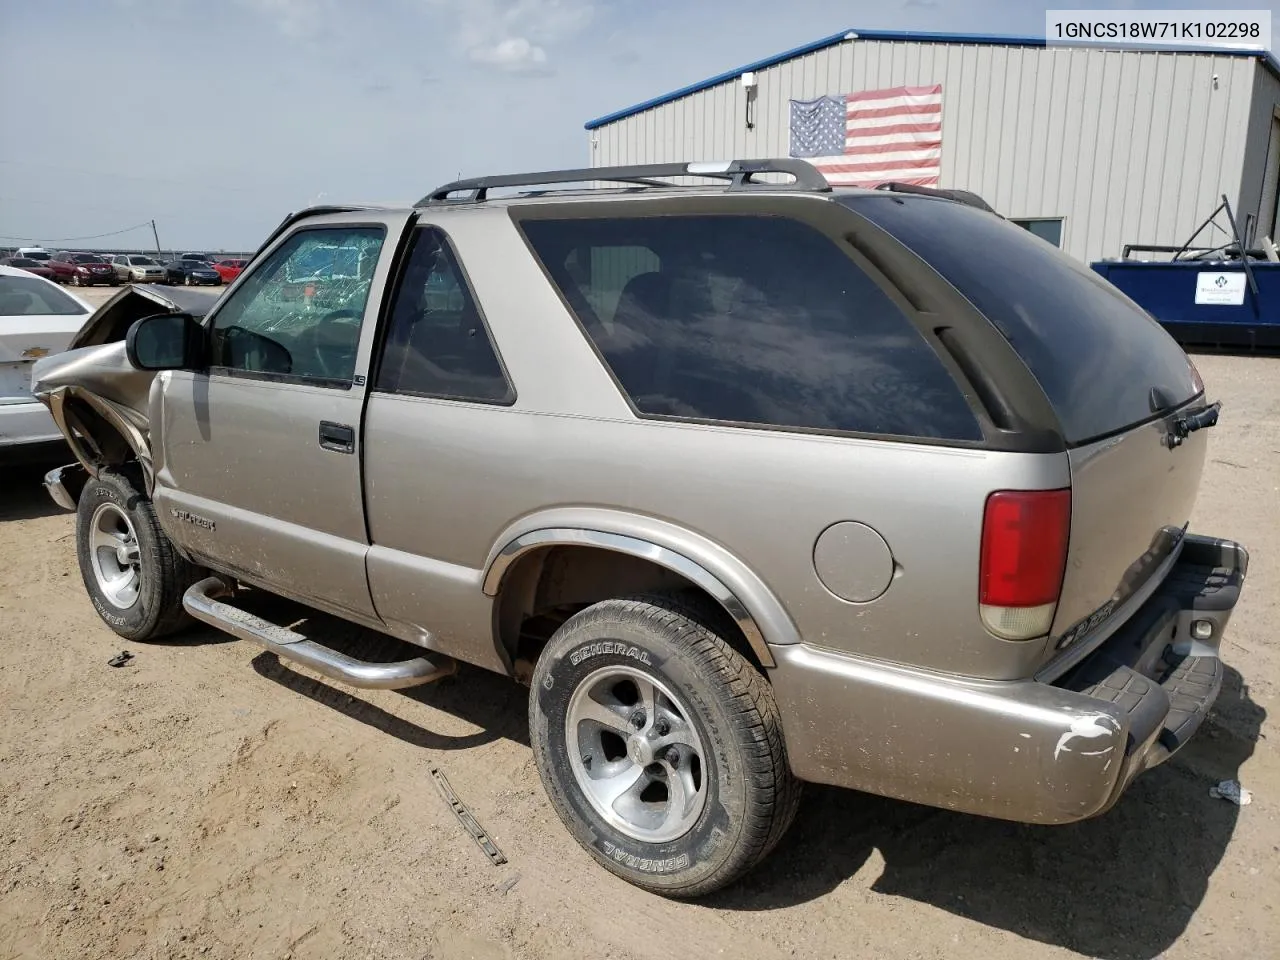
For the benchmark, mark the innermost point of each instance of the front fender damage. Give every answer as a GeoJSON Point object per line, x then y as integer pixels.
{"type": "Point", "coordinates": [98, 400]}
{"type": "Point", "coordinates": [101, 433]}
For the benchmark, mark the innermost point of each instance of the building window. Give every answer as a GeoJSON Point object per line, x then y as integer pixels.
{"type": "Point", "coordinates": [1046, 228]}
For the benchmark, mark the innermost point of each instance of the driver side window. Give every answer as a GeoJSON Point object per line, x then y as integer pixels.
{"type": "Point", "coordinates": [299, 314]}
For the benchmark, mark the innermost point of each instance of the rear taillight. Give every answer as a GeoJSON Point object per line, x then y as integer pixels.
{"type": "Point", "coordinates": [1024, 554]}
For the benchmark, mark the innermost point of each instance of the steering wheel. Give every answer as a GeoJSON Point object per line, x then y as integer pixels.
{"type": "Point", "coordinates": [330, 341]}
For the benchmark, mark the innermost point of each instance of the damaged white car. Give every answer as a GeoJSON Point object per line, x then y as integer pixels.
{"type": "Point", "coordinates": [96, 400]}
{"type": "Point", "coordinates": [37, 318]}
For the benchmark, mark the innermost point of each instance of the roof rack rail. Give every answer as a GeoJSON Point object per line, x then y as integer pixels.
{"type": "Point", "coordinates": [960, 196]}
{"type": "Point", "coordinates": [739, 173]}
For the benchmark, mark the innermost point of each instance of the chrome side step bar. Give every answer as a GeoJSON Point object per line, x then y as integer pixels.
{"type": "Point", "coordinates": [200, 601]}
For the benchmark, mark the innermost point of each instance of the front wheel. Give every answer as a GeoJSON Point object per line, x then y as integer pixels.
{"type": "Point", "coordinates": [130, 569]}
{"type": "Point", "coordinates": [659, 745]}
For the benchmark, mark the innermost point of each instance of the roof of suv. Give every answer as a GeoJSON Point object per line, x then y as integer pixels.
{"type": "Point", "coordinates": [624, 182]}
{"type": "Point", "coordinates": [735, 176]}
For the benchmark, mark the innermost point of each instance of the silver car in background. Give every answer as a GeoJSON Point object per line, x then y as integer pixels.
{"type": "Point", "coordinates": [138, 268]}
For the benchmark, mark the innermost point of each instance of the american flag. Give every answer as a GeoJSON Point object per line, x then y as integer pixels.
{"type": "Point", "coordinates": [868, 138]}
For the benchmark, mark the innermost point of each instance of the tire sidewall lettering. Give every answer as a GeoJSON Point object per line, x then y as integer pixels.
{"type": "Point", "coordinates": [616, 648]}
{"type": "Point", "coordinates": [110, 618]}
{"type": "Point", "coordinates": [642, 863]}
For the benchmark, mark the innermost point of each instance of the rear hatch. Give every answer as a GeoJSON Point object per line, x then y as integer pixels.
{"type": "Point", "coordinates": [1114, 377]}
{"type": "Point", "coordinates": [36, 320]}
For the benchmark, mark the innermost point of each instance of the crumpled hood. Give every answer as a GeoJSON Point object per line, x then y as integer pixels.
{"type": "Point", "coordinates": [112, 320]}
{"type": "Point", "coordinates": [95, 361]}
{"type": "Point", "coordinates": [102, 370]}
{"type": "Point", "coordinates": [95, 371]}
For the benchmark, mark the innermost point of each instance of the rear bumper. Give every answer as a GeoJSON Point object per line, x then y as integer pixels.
{"type": "Point", "coordinates": [26, 423]}
{"type": "Point", "coordinates": [1020, 750]}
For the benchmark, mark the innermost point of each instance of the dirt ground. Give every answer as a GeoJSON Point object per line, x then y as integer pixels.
{"type": "Point", "coordinates": [207, 801]}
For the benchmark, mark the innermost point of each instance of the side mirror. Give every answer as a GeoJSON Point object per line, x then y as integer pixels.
{"type": "Point", "coordinates": [166, 341]}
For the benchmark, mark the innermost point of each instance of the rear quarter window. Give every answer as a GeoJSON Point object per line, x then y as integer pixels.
{"type": "Point", "coordinates": [33, 297]}
{"type": "Point", "coordinates": [1098, 356]}
{"type": "Point", "coordinates": [758, 320]}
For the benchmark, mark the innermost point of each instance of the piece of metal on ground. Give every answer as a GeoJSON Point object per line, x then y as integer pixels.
{"type": "Point", "coordinates": [468, 821]}
{"type": "Point", "coordinates": [509, 885]}
{"type": "Point", "coordinates": [120, 659]}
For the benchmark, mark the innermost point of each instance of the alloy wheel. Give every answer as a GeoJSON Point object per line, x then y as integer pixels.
{"type": "Point", "coordinates": [636, 755]}
{"type": "Point", "coordinates": [113, 555]}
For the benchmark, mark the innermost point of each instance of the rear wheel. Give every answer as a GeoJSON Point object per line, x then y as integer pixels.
{"type": "Point", "coordinates": [130, 569]}
{"type": "Point", "coordinates": [660, 746]}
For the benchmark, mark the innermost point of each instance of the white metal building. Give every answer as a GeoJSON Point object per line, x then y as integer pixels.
{"type": "Point", "coordinates": [1090, 148]}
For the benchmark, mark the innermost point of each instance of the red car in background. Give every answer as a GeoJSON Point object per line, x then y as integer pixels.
{"type": "Point", "coordinates": [228, 270]}
{"type": "Point", "coordinates": [83, 270]}
{"type": "Point", "coordinates": [62, 266]}
{"type": "Point", "coordinates": [39, 267]}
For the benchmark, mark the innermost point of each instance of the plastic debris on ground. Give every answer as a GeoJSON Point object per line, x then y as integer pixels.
{"type": "Point", "coordinates": [1231, 790]}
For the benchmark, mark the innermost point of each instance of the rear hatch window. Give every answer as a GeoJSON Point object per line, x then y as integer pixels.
{"type": "Point", "coordinates": [1103, 362]}
{"type": "Point", "coordinates": [33, 297]}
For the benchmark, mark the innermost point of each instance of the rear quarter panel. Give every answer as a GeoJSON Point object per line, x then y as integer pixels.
{"type": "Point", "coordinates": [434, 489]}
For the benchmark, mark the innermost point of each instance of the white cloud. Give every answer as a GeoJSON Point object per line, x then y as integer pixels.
{"type": "Point", "coordinates": [515, 35]}
{"type": "Point", "coordinates": [515, 54]}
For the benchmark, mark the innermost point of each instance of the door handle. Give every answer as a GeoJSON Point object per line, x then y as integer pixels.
{"type": "Point", "coordinates": [339, 437]}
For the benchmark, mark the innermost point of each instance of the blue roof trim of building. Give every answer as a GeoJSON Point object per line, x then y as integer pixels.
{"type": "Point", "coordinates": [917, 36]}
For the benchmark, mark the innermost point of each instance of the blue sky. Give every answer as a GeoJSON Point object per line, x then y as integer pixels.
{"type": "Point", "coordinates": [217, 117]}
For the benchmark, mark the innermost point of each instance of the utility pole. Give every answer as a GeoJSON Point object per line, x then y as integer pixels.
{"type": "Point", "coordinates": [156, 235]}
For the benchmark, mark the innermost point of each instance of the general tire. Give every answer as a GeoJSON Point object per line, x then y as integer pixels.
{"type": "Point", "coordinates": [163, 575]}
{"type": "Point", "coordinates": [751, 795]}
